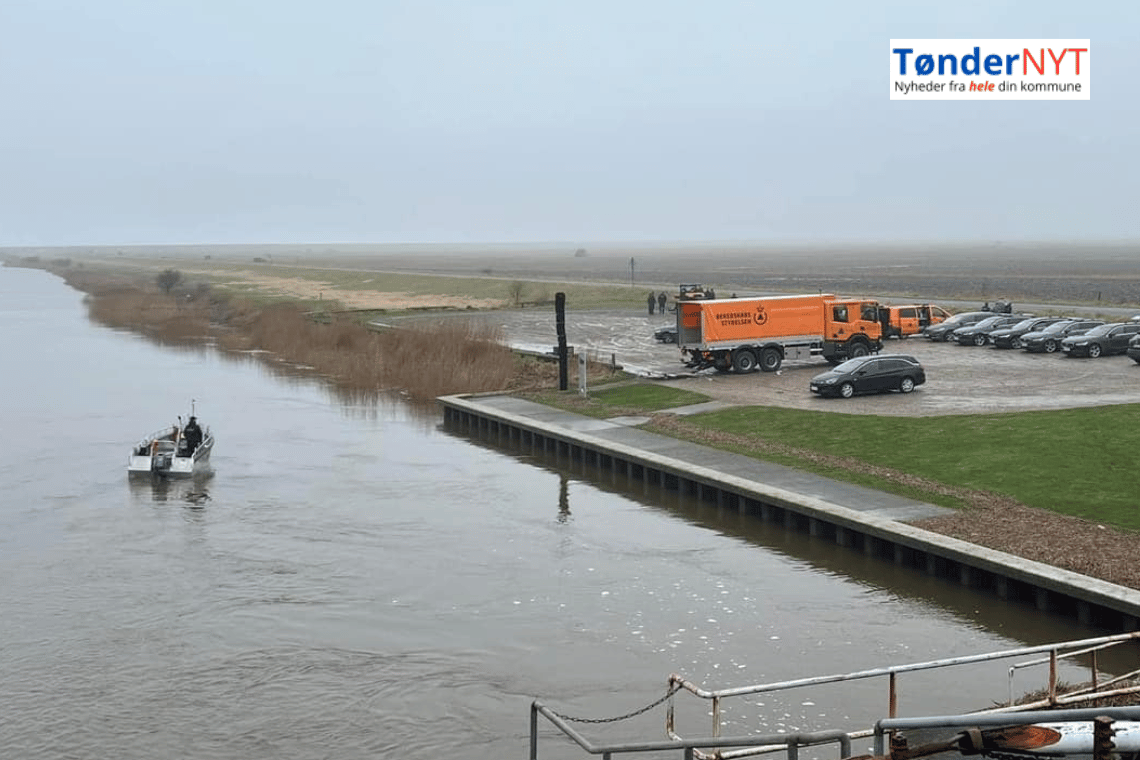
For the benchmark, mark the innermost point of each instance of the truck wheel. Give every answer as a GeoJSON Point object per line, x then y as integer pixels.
{"type": "Point", "coordinates": [744, 361]}
{"type": "Point", "coordinates": [858, 349]}
{"type": "Point", "coordinates": [770, 360]}
{"type": "Point", "coordinates": [721, 364]}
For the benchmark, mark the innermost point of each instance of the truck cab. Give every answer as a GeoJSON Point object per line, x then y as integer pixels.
{"type": "Point", "coordinates": [845, 319]}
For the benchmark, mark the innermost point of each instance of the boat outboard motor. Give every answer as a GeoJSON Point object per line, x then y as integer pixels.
{"type": "Point", "coordinates": [160, 463]}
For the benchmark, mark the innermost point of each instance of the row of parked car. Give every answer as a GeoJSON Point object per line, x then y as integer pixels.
{"type": "Point", "coordinates": [1075, 336]}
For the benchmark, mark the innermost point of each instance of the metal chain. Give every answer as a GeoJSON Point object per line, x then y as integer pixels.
{"type": "Point", "coordinates": [670, 692]}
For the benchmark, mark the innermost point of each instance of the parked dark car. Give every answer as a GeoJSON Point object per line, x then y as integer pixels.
{"type": "Point", "coordinates": [979, 334]}
{"type": "Point", "coordinates": [1049, 339]}
{"type": "Point", "coordinates": [870, 374]}
{"type": "Point", "coordinates": [1133, 349]}
{"type": "Point", "coordinates": [1105, 340]}
{"type": "Point", "coordinates": [666, 335]}
{"type": "Point", "coordinates": [1010, 337]}
{"type": "Point", "coordinates": [942, 330]}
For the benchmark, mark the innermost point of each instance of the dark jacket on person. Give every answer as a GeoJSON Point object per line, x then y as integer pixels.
{"type": "Point", "coordinates": [193, 434]}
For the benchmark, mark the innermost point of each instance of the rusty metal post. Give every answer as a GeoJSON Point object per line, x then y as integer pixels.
{"type": "Point", "coordinates": [893, 698]}
{"type": "Point", "coordinates": [1104, 748]}
{"type": "Point", "coordinates": [716, 716]}
{"type": "Point", "coordinates": [898, 745]}
{"type": "Point", "coordinates": [1053, 677]}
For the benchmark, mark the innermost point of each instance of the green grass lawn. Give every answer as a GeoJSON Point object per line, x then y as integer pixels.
{"type": "Point", "coordinates": [1079, 462]}
{"type": "Point", "coordinates": [627, 398]}
{"type": "Point", "coordinates": [1073, 461]}
{"type": "Point", "coordinates": [649, 398]}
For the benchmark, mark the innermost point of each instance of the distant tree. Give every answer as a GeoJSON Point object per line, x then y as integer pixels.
{"type": "Point", "coordinates": [167, 279]}
{"type": "Point", "coordinates": [515, 292]}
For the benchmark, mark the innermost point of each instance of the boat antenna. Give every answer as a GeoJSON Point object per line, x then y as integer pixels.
{"type": "Point", "coordinates": [192, 401]}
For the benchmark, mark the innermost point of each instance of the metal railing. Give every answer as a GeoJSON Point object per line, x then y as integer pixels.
{"type": "Point", "coordinates": [1055, 652]}
{"type": "Point", "coordinates": [728, 748]}
{"type": "Point", "coordinates": [689, 748]}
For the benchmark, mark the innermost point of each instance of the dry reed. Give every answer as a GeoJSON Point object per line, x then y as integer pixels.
{"type": "Point", "coordinates": [422, 362]}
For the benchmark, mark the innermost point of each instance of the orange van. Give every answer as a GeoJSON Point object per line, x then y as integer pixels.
{"type": "Point", "coordinates": [901, 321]}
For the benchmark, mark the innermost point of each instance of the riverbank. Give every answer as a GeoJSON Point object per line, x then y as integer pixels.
{"type": "Point", "coordinates": [419, 362]}
{"type": "Point", "coordinates": [421, 366]}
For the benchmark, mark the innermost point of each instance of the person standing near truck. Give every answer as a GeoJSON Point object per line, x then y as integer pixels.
{"type": "Point", "coordinates": [652, 300]}
{"type": "Point", "coordinates": [661, 300]}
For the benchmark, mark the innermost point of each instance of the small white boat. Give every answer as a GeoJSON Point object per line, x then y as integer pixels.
{"type": "Point", "coordinates": [175, 451]}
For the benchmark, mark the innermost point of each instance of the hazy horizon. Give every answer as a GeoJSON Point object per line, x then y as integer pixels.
{"type": "Point", "coordinates": [589, 248]}
{"type": "Point", "coordinates": [600, 124]}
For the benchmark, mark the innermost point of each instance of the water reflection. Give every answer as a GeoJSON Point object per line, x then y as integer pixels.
{"type": "Point", "coordinates": [358, 403]}
{"type": "Point", "coordinates": [193, 491]}
{"type": "Point", "coordinates": [980, 610]}
{"type": "Point", "coordinates": [563, 497]}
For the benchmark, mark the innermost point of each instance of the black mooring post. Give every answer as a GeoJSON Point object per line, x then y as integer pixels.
{"type": "Point", "coordinates": [560, 325]}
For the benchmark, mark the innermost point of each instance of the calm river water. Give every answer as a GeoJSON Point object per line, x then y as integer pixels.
{"type": "Point", "coordinates": [356, 582]}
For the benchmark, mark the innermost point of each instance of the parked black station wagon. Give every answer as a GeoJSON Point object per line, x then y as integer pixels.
{"type": "Point", "coordinates": [1049, 339]}
{"type": "Point", "coordinates": [942, 330]}
{"type": "Point", "coordinates": [870, 374]}
{"type": "Point", "coordinates": [1101, 341]}
{"type": "Point", "coordinates": [979, 334]}
{"type": "Point", "coordinates": [1010, 337]}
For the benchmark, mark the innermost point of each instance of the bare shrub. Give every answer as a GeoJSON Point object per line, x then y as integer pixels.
{"type": "Point", "coordinates": [167, 279]}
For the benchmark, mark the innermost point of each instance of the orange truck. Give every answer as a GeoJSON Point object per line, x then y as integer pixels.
{"type": "Point", "coordinates": [901, 321]}
{"type": "Point", "coordinates": [741, 334]}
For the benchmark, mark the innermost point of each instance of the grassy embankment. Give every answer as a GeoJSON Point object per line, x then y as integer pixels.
{"type": "Point", "coordinates": [1060, 461]}
{"type": "Point", "coordinates": [421, 361]}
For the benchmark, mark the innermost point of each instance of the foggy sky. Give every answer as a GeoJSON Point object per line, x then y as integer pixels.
{"type": "Point", "coordinates": [246, 121]}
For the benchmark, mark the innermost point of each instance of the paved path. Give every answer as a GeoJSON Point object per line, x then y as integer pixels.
{"type": "Point", "coordinates": [623, 430]}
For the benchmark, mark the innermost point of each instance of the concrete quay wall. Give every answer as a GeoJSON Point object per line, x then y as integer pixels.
{"type": "Point", "coordinates": [1090, 601]}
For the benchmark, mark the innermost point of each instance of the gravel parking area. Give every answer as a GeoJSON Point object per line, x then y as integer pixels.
{"type": "Point", "coordinates": [960, 379]}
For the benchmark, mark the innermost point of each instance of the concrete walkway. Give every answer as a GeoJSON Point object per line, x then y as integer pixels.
{"type": "Point", "coordinates": [624, 430]}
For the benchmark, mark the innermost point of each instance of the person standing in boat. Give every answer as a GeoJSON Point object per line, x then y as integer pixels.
{"type": "Point", "coordinates": [193, 435]}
